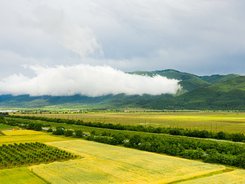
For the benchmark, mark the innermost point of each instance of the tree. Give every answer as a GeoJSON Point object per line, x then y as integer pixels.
{"type": "Point", "coordinates": [59, 131]}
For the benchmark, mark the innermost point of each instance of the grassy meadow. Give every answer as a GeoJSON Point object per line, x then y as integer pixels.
{"type": "Point", "coordinates": [232, 122]}
{"type": "Point", "coordinates": [5, 127]}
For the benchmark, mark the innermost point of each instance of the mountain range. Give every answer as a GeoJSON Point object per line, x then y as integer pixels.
{"type": "Point", "coordinates": [219, 92]}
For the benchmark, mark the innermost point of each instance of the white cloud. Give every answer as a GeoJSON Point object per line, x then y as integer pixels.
{"type": "Point", "coordinates": [85, 80]}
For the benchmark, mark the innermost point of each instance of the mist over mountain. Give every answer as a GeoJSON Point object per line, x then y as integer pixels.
{"type": "Point", "coordinates": [198, 92]}
{"type": "Point", "coordinates": [85, 80]}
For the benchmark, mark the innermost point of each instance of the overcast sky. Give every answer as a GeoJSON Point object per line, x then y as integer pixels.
{"type": "Point", "coordinates": [198, 36]}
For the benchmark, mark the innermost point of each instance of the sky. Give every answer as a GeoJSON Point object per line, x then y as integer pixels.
{"type": "Point", "coordinates": [198, 36]}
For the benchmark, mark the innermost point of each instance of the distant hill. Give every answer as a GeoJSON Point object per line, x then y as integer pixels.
{"type": "Point", "coordinates": [199, 92]}
{"type": "Point", "coordinates": [188, 81]}
{"type": "Point", "coordinates": [227, 94]}
{"type": "Point", "coordinates": [218, 78]}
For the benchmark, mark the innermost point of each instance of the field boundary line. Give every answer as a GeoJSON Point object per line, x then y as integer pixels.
{"type": "Point", "coordinates": [203, 176]}
{"type": "Point", "coordinates": [30, 169]}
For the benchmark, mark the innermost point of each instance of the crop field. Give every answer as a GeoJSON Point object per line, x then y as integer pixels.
{"type": "Point", "coordinates": [102, 163]}
{"type": "Point", "coordinates": [21, 175]}
{"type": "Point", "coordinates": [212, 121]}
{"type": "Point", "coordinates": [123, 165]}
{"type": "Point", "coordinates": [233, 177]}
{"type": "Point", "coordinates": [12, 155]}
{"type": "Point", "coordinates": [16, 132]}
{"type": "Point", "coordinates": [19, 136]}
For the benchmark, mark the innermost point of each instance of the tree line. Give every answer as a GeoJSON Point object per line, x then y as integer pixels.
{"type": "Point", "coordinates": [236, 137]}
{"type": "Point", "coordinates": [207, 150]}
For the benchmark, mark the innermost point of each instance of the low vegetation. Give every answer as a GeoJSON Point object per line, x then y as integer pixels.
{"type": "Point", "coordinates": [235, 177]}
{"type": "Point", "coordinates": [229, 122]}
{"type": "Point", "coordinates": [19, 175]}
{"type": "Point", "coordinates": [23, 136]}
{"type": "Point", "coordinates": [4, 127]}
{"type": "Point", "coordinates": [103, 163]}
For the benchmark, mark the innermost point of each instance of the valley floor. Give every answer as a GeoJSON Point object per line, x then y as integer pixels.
{"type": "Point", "coordinates": [101, 163]}
{"type": "Point", "coordinates": [233, 122]}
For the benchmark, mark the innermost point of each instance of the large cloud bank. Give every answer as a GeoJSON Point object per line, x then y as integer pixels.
{"type": "Point", "coordinates": [197, 36]}
{"type": "Point", "coordinates": [85, 80]}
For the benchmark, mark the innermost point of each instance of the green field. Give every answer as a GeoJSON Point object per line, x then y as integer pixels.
{"type": "Point", "coordinates": [212, 121]}
{"type": "Point", "coordinates": [5, 127]}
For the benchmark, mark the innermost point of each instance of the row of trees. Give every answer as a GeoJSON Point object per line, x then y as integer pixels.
{"type": "Point", "coordinates": [213, 151]}
{"type": "Point", "coordinates": [236, 137]}
{"type": "Point", "coordinates": [12, 155]}
{"type": "Point", "coordinates": [226, 153]}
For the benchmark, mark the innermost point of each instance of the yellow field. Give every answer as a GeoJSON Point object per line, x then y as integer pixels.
{"type": "Point", "coordinates": [111, 164]}
{"type": "Point", "coordinates": [20, 175]}
{"type": "Point", "coordinates": [101, 163]}
{"type": "Point", "coordinates": [16, 136]}
{"type": "Point", "coordinates": [234, 177]}
{"type": "Point", "coordinates": [212, 121]}
{"type": "Point", "coordinates": [21, 132]}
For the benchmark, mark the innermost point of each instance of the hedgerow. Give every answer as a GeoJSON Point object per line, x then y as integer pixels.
{"type": "Point", "coordinates": [236, 137]}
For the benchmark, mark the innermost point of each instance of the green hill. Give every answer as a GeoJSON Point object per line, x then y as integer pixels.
{"type": "Point", "coordinates": [199, 92]}
{"type": "Point", "coordinates": [218, 78]}
{"type": "Point", "coordinates": [188, 81]}
{"type": "Point", "coordinates": [236, 83]}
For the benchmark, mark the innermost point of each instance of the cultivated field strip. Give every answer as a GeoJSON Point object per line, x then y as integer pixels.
{"type": "Point", "coordinates": [20, 136]}
{"type": "Point", "coordinates": [102, 163]}
{"type": "Point", "coordinates": [111, 164]}
{"type": "Point", "coordinates": [15, 132]}
{"type": "Point", "coordinates": [20, 175]}
{"type": "Point", "coordinates": [233, 122]}
{"type": "Point", "coordinates": [233, 177]}
{"type": "Point", "coordinates": [212, 151]}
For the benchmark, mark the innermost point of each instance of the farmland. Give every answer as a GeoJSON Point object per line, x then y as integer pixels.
{"type": "Point", "coordinates": [12, 155]}
{"type": "Point", "coordinates": [122, 165]}
{"type": "Point", "coordinates": [212, 121]}
{"type": "Point", "coordinates": [18, 136]}
{"type": "Point", "coordinates": [103, 163]}
{"type": "Point", "coordinates": [208, 150]}
{"type": "Point", "coordinates": [20, 175]}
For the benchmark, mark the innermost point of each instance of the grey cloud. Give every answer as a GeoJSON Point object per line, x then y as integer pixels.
{"type": "Point", "coordinates": [200, 36]}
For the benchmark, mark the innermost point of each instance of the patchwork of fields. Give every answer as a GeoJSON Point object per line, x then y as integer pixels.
{"type": "Point", "coordinates": [211, 121]}
{"type": "Point", "coordinates": [121, 165]}
{"type": "Point", "coordinates": [101, 163]}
